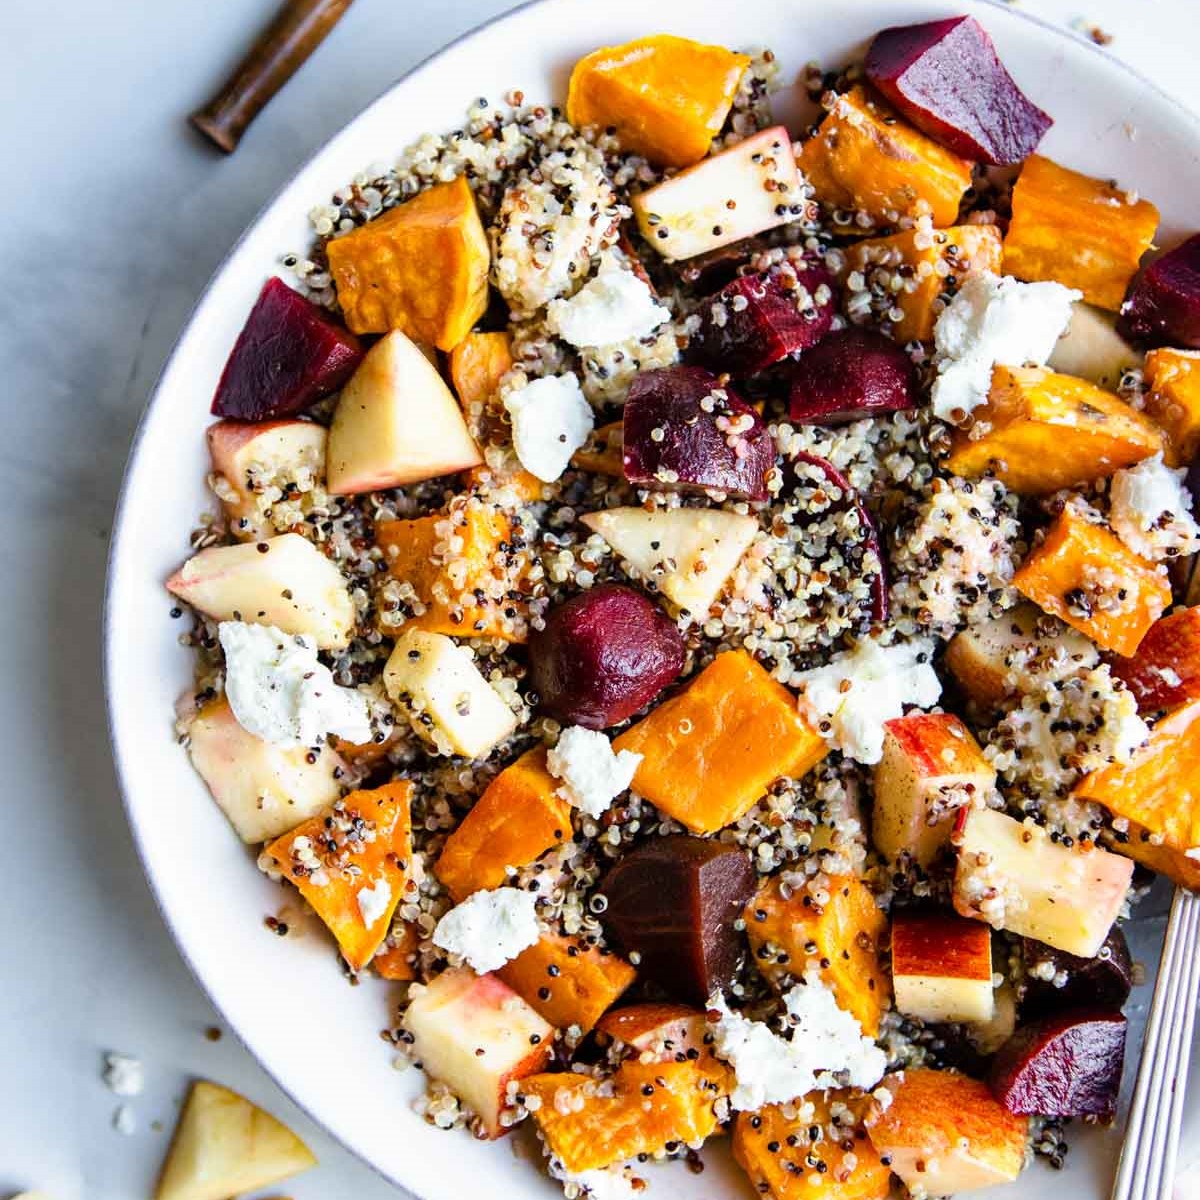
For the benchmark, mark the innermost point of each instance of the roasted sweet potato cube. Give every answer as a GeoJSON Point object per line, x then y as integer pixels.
{"type": "Point", "coordinates": [317, 856]}
{"type": "Point", "coordinates": [709, 753]}
{"type": "Point", "coordinates": [652, 1104]}
{"type": "Point", "coordinates": [421, 267]}
{"type": "Point", "coordinates": [1165, 671]}
{"type": "Point", "coordinates": [477, 365]}
{"type": "Point", "coordinates": [1159, 789]}
{"type": "Point", "coordinates": [945, 1133]}
{"type": "Point", "coordinates": [568, 981]}
{"type": "Point", "coordinates": [393, 960]}
{"type": "Point", "coordinates": [1173, 400]}
{"type": "Point", "coordinates": [1078, 231]}
{"type": "Point", "coordinates": [1086, 576]}
{"type": "Point", "coordinates": [517, 819]}
{"type": "Point", "coordinates": [665, 97]}
{"type": "Point", "coordinates": [1040, 431]}
{"type": "Point", "coordinates": [840, 934]}
{"type": "Point", "coordinates": [603, 452]}
{"type": "Point", "coordinates": [777, 1151]}
{"type": "Point", "coordinates": [926, 286]}
{"type": "Point", "coordinates": [866, 159]}
{"type": "Point", "coordinates": [467, 591]}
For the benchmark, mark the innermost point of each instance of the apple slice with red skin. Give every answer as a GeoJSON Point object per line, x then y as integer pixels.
{"type": "Point", "coordinates": [941, 966]}
{"type": "Point", "coordinates": [1165, 669]}
{"type": "Point", "coordinates": [667, 1032]}
{"type": "Point", "coordinates": [1162, 306]}
{"type": "Point", "coordinates": [289, 355]}
{"type": "Point", "coordinates": [849, 375]}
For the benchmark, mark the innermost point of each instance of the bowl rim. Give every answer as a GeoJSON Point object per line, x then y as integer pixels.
{"type": "Point", "coordinates": [121, 513]}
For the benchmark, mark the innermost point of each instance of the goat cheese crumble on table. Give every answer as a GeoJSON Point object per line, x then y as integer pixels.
{"type": "Point", "coordinates": [280, 692]}
{"type": "Point", "coordinates": [551, 419]}
{"type": "Point", "coordinates": [614, 306]}
{"type": "Point", "coordinates": [489, 928]}
{"type": "Point", "coordinates": [123, 1075]}
{"type": "Point", "coordinates": [1152, 510]}
{"type": "Point", "coordinates": [592, 775]}
{"type": "Point", "coordinates": [994, 319]}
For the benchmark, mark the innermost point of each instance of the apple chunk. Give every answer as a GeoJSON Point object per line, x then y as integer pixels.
{"type": "Point", "coordinates": [396, 422]}
{"type": "Point", "coordinates": [744, 190]}
{"type": "Point", "coordinates": [931, 767]}
{"type": "Point", "coordinates": [263, 789]}
{"type": "Point", "coordinates": [474, 1034]}
{"type": "Point", "coordinates": [225, 1146]}
{"type": "Point", "coordinates": [283, 581]}
{"type": "Point", "coordinates": [941, 967]}
{"type": "Point", "coordinates": [1011, 875]}
{"type": "Point", "coordinates": [262, 464]}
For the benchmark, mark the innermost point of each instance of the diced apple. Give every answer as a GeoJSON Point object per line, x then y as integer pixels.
{"type": "Point", "coordinates": [448, 701]}
{"type": "Point", "coordinates": [665, 1032]}
{"type": "Point", "coordinates": [988, 1036]}
{"type": "Point", "coordinates": [474, 1034]}
{"type": "Point", "coordinates": [259, 463]}
{"type": "Point", "coordinates": [941, 967]}
{"type": "Point", "coordinates": [687, 554]}
{"type": "Point", "coordinates": [735, 194]}
{"type": "Point", "coordinates": [263, 789]}
{"type": "Point", "coordinates": [283, 581]}
{"type": "Point", "coordinates": [225, 1146]}
{"type": "Point", "coordinates": [931, 767]}
{"type": "Point", "coordinates": [1165, 670]}
{"type": "Point", "coordinates": [1092, 348]}
{"type": "Point", "coordinates": [1013, 876]}
{"type": "Point", "coordinates": [944, 1133]}
{"type": "Point", "coordinates": [1019, 651]}
{"type": "Point", "coordinates": [396, 422]}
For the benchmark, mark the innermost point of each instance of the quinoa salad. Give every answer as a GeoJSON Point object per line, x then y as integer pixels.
{"type": "Point", "coordinates": [703, 610]}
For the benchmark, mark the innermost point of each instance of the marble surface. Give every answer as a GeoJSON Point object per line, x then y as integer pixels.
{"type": "Point", "coordinates": [116, 215]}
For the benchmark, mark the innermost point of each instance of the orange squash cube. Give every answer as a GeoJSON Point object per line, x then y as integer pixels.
{"type": "Point", "coordinates": [866, 159]}
{"type": "Point", "coordinates": [477, 365]}
{"type": "Point", "coordinates": [712, 751]}
{"type": "Point", "coordinates": [567, 981]}
{"type": "Point", "coordinates": [421, 267]}
{"type": "Point", "coordinates": [603, 452]}
{"type": "Point", "coordinates": [846, 931]}
{"type": "Point", "coordinates": [1040, 431]}
{"type": "Point", "coordinates": [652, 1104]}
{"type": "Point", "coordinates": [317, 857]}
{"type": "Point", "coordinates": [1078, 231]}
{"type": "Point", "coordinates": [448, 582]}
{"type": "Point", "coordinates": [517, 819]}
{"type": "Point", "coordinates": [1173, 400]}
{"type": "Point", "coordinates": [665, 97]}
{"type": "Point", "coordinates": [777, 1151]}
{"type": "Point", "coordinates": [924, 255]}
{"type": "Point", "coordinates": [1085, 576]}
{"type": "Point", "coordinates": [1158, 790]}
{"type": "Point", "coordinates": [1142, 846]}
{"type": "Point", "coordinates": [393, 960]}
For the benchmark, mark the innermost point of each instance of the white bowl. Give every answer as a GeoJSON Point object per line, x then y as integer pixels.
{"type": "Point", "coordinates": [286, 998]}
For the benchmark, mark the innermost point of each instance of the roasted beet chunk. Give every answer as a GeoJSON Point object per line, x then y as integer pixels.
{"type": "Point", "coordinates": [683, 430]}
{"type": "Point", "coordinates": [947, 79]}
{"type": "Point", "coordinates": [1066, 1065]}
{"type": "Point", "coordinates": [1105, 980]}
{"type": "Point", "coordinates": [675, 901]}
{"type": "Point", "coordinates": [758, 320]}
{"type": "Point", "coordinates": [851, 374]}
{"type": "Point", "coordinates": [603, 655]}
{"type": "Point", "coordinates": [1163, 304]}
{"type": "Point", "coordinates": [289, 355]}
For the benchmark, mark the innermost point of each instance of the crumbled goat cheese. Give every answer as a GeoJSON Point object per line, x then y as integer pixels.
{"type": "Point", "coordinates": [614, 306]}
{"type": "Point", "coordinates": [124, 1122]}
{"type": "Point", "coordinates": [592, 775]}
{"type": "Point", "coordinates": [826, 1048]}
{"type": "Point", "coordinates": [373, 902]}
{"type": "Point", "coordinates": [1152, 510]}
{"type": "Point", "coordinates": [551, 419]}
{"type": "Point", "coordinates": [852, 696]}
{"type": "Point", "coordinates": [280, 692]}
{"type": "Point", "coordinates": [993, 319]}
{"type": "Point", "coordinates": [489, 928]}
{"type": "Point", "coordinates": [123, 1075]}
{"type": "Point", "coordinates": [599, 1183]}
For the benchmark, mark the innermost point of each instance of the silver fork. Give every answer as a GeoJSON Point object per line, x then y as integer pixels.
{"type": "Point", "coordinates": [1147, 1167]}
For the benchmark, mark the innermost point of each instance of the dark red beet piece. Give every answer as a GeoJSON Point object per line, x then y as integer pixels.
{"type": "Point", "coordinates": [1163, 304]}
{"type": "Point", "coordinates": [685, 431]}
{"type": "Point", "coordinates": [851, 374]}
{"type": "Point", "coordinates": [947, 79]}
{"type": "Point", "coordinates": [715, 268]}
{"type": "Point", "coordinates": [1105, 980]}
{"type": "Point", "coordinates": [1066, 1065]}
{"type": "Point", "coordinates": [675, 901]}
{"type": "Point", "coordinates": [603, 655]}
{"type": "Point", "coordinates": [758, 320]}
{"type": "Point", "coordinates": [289, 355]}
